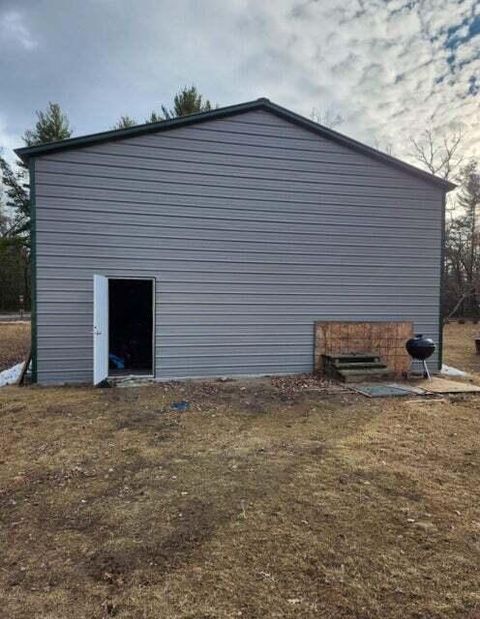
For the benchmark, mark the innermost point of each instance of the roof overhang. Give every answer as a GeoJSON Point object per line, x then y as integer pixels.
{"type": "Point", "coordinates": [30, 152]}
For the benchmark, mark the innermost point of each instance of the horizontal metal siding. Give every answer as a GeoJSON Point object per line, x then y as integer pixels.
{"type": "Point", "coordinates": [252, 227]}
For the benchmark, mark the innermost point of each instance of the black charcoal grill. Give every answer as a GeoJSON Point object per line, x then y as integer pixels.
{"type": "Point", "coordinates": [420, 349]}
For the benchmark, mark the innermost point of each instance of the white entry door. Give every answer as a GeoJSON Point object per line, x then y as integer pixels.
{"type": "Point", "coordinates": [100, 328]}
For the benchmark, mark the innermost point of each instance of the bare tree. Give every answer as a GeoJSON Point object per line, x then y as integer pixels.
{"type": "Point", "coordinates": [462, 241]}
{"type": "Point", "coordinates": [384, 147]}
{"type": "Point", "coordinates": [439, 154]}
{"type": "Point", "coordinates": [328, 117]}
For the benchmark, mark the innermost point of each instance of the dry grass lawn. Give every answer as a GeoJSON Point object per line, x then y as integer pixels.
{"type": "Point", "coordinates": [264, 499]}
{"type": "Point", "coordinates": [14, 343]}
{"type": "Point", "coordinates": [460, 346]}
{"type": "Point", "coordinates": [259, 501]}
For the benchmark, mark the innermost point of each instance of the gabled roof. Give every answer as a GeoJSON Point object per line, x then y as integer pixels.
{"type": "Point", "coordinates": [29, 152]}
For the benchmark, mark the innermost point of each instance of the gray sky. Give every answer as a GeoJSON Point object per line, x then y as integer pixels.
{"type": "Point", "coordinates": [390, 67]}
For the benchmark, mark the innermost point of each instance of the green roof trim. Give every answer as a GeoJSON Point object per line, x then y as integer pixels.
{"type": "Point", "coordinates": [30, 152]}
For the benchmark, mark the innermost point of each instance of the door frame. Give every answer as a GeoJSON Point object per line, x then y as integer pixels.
{"type": "Point", "coordinates": [100, 328]}
{"type": "Point", "coordinates": [154, 322]}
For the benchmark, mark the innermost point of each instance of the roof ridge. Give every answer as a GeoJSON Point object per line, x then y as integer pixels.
{"type": "Point", "coordinates": [28, 152]}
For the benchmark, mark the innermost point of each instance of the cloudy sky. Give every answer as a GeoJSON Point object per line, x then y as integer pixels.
{"type": "Point", "coordinates": [389, 67]}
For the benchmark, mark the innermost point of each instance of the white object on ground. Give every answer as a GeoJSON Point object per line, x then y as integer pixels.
{"type": "Point", "coordinates": [11, 375]}
{"type": "Point", "coordinates": [447, 370]}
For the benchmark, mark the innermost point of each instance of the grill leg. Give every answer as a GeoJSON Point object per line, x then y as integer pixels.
{"type": "Point", "coordinates": [426, 373]}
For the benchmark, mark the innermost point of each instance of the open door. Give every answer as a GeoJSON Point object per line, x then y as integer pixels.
{"type": "Point", "coordinates": [130, 327]}
{"type": "Point", "coordinates": [100, 328]}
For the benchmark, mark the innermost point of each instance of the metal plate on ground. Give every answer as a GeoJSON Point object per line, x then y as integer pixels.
{"type": "Point", "coordinates": [381, 390]}
{"type": "Point", "coordinates": [412, 389]}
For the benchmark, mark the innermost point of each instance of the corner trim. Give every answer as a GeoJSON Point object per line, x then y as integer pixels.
{"type": "Point", "coordinates": [442, 285]}
{"type": "Point", "coordinates": [33, 263]}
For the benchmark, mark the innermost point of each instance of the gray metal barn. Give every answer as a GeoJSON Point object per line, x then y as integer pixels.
{"type": "Point", "coordinates": [208, 245]}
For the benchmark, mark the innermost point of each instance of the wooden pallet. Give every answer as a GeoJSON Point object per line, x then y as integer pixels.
{"type": "Point", "coordinates": [385, 339]}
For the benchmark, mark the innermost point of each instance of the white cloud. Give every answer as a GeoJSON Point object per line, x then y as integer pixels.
{"type": "Point", "coordinates": [390, 68]}
{"type": "Point", "coordinates": [13, 29]}
{"type": "Point", "coordinates": [8, 142]}
{"type": "Point", "coordinates": [387, 66]}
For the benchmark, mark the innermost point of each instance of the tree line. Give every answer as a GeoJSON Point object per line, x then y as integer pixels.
{"type": "Point", "coordinates": [443, 155]}
{"type": "Point", "coordinates": [440, 154]}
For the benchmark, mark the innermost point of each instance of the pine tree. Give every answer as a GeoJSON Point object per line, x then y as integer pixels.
{"type": "Point", "coordinates": [5, 223]}
{"type": "Point", "coordinates": [125, 122]}
{"type": "Point", "coordinates": [154, 118]}
{"type": "Point", "coordinates": [51, 125]}
{"type": "Point", "coordinates": [14, 186]}
{"type": "Point", "coordinates": [186, 101]}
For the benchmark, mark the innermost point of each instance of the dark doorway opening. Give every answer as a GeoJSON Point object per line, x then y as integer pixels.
{"type": "Point", "coordinates": [130, 327]}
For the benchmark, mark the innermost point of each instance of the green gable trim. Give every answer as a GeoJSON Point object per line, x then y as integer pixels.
{"type": "Point", "coordinates": [144, 129]}
{"type": "Point", "coordinates": [224, 112]}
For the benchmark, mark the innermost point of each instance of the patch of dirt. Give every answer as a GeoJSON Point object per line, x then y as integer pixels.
{"type": "Point", "coordinates": [193, 526]}
{"type": "Point", "coordinates": [254, 396]}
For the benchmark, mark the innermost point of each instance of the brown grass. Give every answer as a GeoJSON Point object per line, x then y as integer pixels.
{"type": "Point", "coordinates": [14, 343]}
{"type": "Point", "coordinates": [460, 346]}
{"type": "Point", "coordinates": [260, 501]}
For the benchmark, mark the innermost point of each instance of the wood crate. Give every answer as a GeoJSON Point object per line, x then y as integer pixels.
{"type": "Point", "coordinates": [385, 338]}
